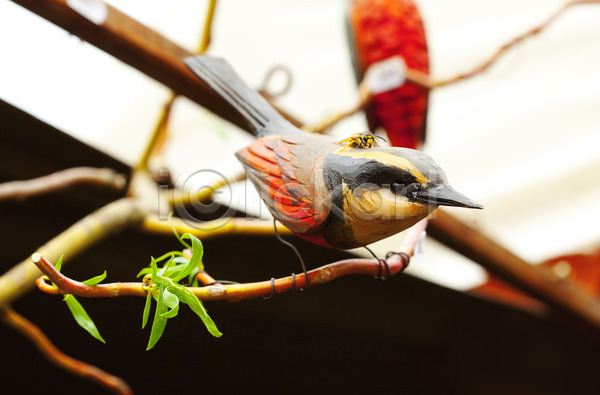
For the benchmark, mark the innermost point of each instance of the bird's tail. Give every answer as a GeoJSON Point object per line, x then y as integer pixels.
{"type": "Point", "coordinates": [260, 116]}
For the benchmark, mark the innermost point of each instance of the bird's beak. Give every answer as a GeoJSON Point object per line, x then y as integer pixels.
{"type": "Point", "coordinates": [444, 195]}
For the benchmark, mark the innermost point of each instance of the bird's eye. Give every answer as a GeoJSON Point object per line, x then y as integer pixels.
{"type": "Point", "coordinates": [403, 189]}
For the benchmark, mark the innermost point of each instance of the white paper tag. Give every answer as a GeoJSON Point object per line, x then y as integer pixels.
{"type": "Point", "coordinates": [94, 10]}
{"type": "Point", "coordinates": [385, 75]}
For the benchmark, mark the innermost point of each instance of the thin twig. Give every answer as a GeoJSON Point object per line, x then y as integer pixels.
{"type": "Point", "coordinates": [207, 32]}
{"type": "Point", "coordinates": [532, 32]}
{"type": "Point", "coordinates": [206, 278]}
{"type": "Point", "coordinates": [425, 81]}
{"type": "Point", "coordinates": [323, 125]}
{"type": "Point", "coordinates": [68, 286]}
{"type": "Point", "coordinates": [178, 197]}
{"type": "Point", "coordinates": [159, 135]}
{"type": "Point", "coordinates": [236, 292]}
{"type": "Point", "coordinates": [79, 236]}
{"type": "Point", "coordinates": [230, 292]}
{"type": "Point", "coordinates": [202, 276]}
{"type": "Point", "coordinates": [54, 355]}
{"type": "Point", "coordinates": [42, 284]}
{"type": "Point", "coordinates": [62, 179]}
{"type": "Point", "coordinates": [322, 275]}
{"type": "Point", "coordinates": [209, 229]}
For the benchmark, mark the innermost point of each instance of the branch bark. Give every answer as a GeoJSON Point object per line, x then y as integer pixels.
{"type": "Point", "coordinates": [160, 133]}
{"type": "Point", "coordinates": [229, 292]}
{"type": "Point", "coordinates": [62, 179]}
{"type": "Point", "coordinates": [84, 233]}
{"type": "Point", "coordinates": [54, 355]}
{"type": "Point", "coordinates": [237, 292]}
{"type": "Point", "coordinates": [139, 46]}
{"type": "Point", "coordinates": [563, 295]}
{"type": "Point", "coordinates": [209, 229]}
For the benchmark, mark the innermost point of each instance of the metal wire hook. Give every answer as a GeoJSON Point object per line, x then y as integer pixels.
{"type": "Point", "coordinates": [382, 262]}
{"type": "Point", "coordinates": [307, 284]}
{"type": "Point", "coordinates": [272, 290]}
{"type": "Point", "coordinates": [404, 255]}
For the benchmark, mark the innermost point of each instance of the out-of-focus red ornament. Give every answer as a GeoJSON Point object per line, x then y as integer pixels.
{"type": "Point", "coordinates": [379, 29]}
{"type": "Point", "coordinates": [581, 269]}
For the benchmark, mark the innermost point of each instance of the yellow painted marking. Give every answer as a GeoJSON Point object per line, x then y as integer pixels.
{"type": "Point", "coordinates": [386, 159]}
{"type": "Point", "coordinates": [373, 215]}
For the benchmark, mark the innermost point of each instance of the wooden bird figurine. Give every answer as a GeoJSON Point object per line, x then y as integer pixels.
{"type": "Point", "coordinates": [323, 191]}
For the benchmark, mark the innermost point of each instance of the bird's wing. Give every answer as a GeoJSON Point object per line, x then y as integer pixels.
{"type": "Point", "coordinates": [285, 182]}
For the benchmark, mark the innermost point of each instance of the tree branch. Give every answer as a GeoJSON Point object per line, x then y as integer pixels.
{"type": "Point", "coordinates": [364, 98]}
{"type": "Point", "coordinates": [562, 295]}
{"type": "Point", "coordinates": [159, 135]}
{"type": "Point", "coordinates": [236, 292]}
{"type": "Point", "coordinates": [229, 292]}
{"type": "Point", "coordinates": [209, 229]}
{"type": "Point", "coordinates": [177, 197]}
{"type": "Point", "coordinates": [54, 355]}
{"type": "Point", "coordinates": [79, 236]}
{"type": "Point", "coordinates": [138, 46]}
{"type": "Point", "coordinates": [490, 61]}
{"type": "Point", "coordinates": [62, 179]}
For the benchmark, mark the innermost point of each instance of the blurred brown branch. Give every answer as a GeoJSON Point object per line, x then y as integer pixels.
{"type": "Point", "coordinates": [139, 46]}
{"type": "Point", "coordinates": [79, 236]}
{"type": "Point", "coordinates": [62, 179]}
{"type": "Point", "coordinates": [323, 125]}
{"type": "Point", "coordinates": [562, 295]}
{"type": "Point", "coordinates": [160, 133]}
{"type": "Point", "coordinates": [54, 355]}
{"type": "Point", "coordinates": [209, 229]}
{"type": "Point", "coordinates": [178, 197]}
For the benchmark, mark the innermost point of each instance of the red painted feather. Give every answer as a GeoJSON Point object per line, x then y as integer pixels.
{"type": "Point", "coordinates": [269, 164]}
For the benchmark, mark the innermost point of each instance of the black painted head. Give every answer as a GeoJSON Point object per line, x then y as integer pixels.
{"type": "Point", "coordinates": [405, 172]}
{"type": "Point", "coordinates": [377, 192]}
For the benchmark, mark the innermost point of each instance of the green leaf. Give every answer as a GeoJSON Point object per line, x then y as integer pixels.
{"type": "Point", "coordinates": [195, 260]}
{"type": "Point", "coordinates": [161, 272]}
{"type": "Point", "coordinates": [147, 309]}
{"type": "Point", "coordinates": [153, 267]}
{"type": "Point", "coordinates": [95, 280]}
{"type": "Point", "coordinates": [171, 271]}
{"type": "Point", "coordinates": [171, 313]}
{"type": "Point", "coordinates": [181, 260]}
{"type": "Point", "coordinates": [186, 296]}
{"type": "Point", "coordinates": [164, 256]}
{"type": "Point", "coordinates": [170, 294]}
{"type": "Point", "coordinates": [82, 318]}
{"type": "Point", "coordinates": [58, 265]}
{"type": "Point", "coordinates": [175, 257]}
{"type": "Point", "coordinates": [172, 303]}
{"type": "Point", "coordinates": [144, 271]}
{"type": "Point", "coordinates": [159, 323]}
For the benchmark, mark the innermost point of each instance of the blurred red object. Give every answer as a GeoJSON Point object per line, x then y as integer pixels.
{"type": "Point", "coordinates": [380, 29]}
{"type": "Point", "coordinates": [583, 269]}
